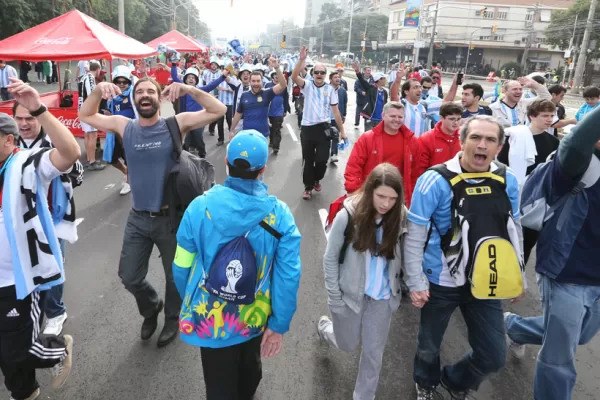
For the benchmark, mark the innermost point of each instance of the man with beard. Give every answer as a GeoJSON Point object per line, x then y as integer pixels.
{"type": "Point", "coordinates": [149, 151]}
{"type": "Point", "coordinates": [254, 104]}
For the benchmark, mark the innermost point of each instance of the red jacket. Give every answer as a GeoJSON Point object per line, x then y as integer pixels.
{"type": "Point", "coordinates": [436, 147]}
{"type": "Point", "coordinates": [367, 153]}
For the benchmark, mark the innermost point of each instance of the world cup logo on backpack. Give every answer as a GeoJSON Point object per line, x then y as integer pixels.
{"type": "Point", "coordinates": [233, 273]}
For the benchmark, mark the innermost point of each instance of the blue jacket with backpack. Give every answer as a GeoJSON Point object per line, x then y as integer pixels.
{"type": "Point", "coordinates": [211, 221]}
{"type": "Point", "coordinates": [567, 248]}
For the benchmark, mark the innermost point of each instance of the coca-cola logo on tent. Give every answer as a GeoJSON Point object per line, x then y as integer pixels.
{"type": "Point", "coordinates": [45, 40]}
{"type": "Point", "coordinates": [70, 122]}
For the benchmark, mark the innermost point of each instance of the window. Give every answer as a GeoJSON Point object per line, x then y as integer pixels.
{"type": "Point", "coordinates": [499, 35]}
{"type": "Point", "coordinates": [529, 16]}
{"type": "Point", "coordinates": [502, 13]}
{"type": "Point", "coordinates": [489, 15]}
{"type": "Point", "coordinates": [545, 15]}
{"type": "Point", "coordinates": [395, 16]}
{"type": "Point", "coordinates": [485, 34]}
{"type": "Point", "coordinates": [394, 34]}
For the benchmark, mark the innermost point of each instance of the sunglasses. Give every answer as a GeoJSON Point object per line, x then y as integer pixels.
{"type": "Point", "coordinates": [120, 82]}
{"type": "Point", "coordinates": [435, 77]}
{"type": "Point", "coordinates": [426, 87]}
{"type": "Point", "coordinates": [319, 72]}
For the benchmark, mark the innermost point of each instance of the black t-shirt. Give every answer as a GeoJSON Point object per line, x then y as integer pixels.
{"type": "Point", "coordinates": [545, 144]}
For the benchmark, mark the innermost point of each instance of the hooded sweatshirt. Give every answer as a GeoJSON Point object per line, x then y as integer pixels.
{"type": "Point", "coordinates": [212, 220]}
{"type": "Point", "coordinates": [436, 147]}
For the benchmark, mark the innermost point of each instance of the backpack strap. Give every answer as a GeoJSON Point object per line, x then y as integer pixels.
{"type": "Point", "coordinates": [270, 229]}
{"type": "Point", "coordinates": [176, 136]}
{"type": "Point", "coordinates": [347, 234]}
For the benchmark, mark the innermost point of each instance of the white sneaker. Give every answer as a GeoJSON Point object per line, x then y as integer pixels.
{"type": "Point", "coordinates": [323, 323]}
{"type": "Point", "coordinates": [334, 158]}
{"type": "Point", "coordinates": [61, 371]}
{"type": "Point", "coordinates": [54, 325]}
{"type": "Point", "coordinates": [125, 189]}
{"type": "Point", "coordinates": [518, 350]}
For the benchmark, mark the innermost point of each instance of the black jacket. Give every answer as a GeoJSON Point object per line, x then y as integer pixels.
{"type": "Point", "coordinates": [371, 90]}
{"type": "Point", "coordinates": [360, 99]}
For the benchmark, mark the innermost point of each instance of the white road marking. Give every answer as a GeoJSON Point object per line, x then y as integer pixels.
{"type": "Point", "coordinates": [292, 133]}
{"type": "Point", "coordinates": [109, 186]}
{"type": "Point", "coordinates": [78, 221]}
{"type": "Point", "coordinates": [323, 214]}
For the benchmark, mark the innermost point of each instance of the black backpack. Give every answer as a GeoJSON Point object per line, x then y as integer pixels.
{"type": "Point", "coordinates": [192, 175]}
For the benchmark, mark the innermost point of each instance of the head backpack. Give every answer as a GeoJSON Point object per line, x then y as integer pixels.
{"type": "Point", "coordinates": [482, 242]}
{"type": "Point", "coordinates": [233, 275]}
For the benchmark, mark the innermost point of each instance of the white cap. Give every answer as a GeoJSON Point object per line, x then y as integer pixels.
{"type": "Point", "coordinates": [245, 67]}
{"type": "Point", "coordinates": [378, 76]}
{"type": "Point", "coordinates": [192, 71]}
{"type": "Point", "coordinates": [122, 71]}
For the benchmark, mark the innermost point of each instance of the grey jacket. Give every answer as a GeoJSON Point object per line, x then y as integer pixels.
{"type": "Point", "coordinates": [345, 283]}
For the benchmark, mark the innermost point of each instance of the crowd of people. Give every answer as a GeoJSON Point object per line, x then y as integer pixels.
{"type": "Point", "coordinates": [444, 202]}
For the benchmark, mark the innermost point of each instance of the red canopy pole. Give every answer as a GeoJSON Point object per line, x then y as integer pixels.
{"type": "Point", "coordinates": [60, 96]}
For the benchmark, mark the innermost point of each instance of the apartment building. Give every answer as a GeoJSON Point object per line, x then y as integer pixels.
{"type": "Point", "coordinates": [497, 30]}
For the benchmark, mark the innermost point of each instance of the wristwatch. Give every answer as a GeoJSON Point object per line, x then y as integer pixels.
{"type": "Point", "coordinates": [39, 111]}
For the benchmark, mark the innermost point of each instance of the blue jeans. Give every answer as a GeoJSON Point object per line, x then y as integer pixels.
{"type": "Point", "coordinates": [571, 316]}
{"type": "Point", "coordinates": [52, 304]}
{"type": "Point", "coordinates": [485, 325]}
{"type": "Point", "coordinates": [194, 138]}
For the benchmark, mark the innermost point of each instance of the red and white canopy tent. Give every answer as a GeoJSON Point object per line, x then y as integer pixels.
{"type": "Point", "coordinates": [179, 42]}
{"type": "Point", "coordinates": [72, 36]}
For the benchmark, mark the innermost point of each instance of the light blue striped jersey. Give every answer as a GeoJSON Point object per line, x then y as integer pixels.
{"type": "Point", "coordinates": [377, 281]}
{"type": "Point", "coordinates": [418, 117]}
{"type": "Point", "coordinates": [210, 76]}
{"type": "Point", "coordinates": [584, 110]}
{"type": "Point", "coordinates": [431, 200]}
{"type": "Point", "coordinates": [317, 103]}
{"type": "Point", "coordinates": [512, 113]}
{"type": "Point", "coordinates": [225, 97]}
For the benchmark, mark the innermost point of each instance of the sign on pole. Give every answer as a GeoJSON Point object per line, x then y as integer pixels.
{"type": "Point", "coordinates": [374, 44]}
{"type": "Point", "coordinates": [362, 43]}
{"type": "Point", "coordinates": [412, 15]}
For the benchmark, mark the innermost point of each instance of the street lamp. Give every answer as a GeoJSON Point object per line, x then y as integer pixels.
{"type": "Point", "coordinates": [469, 48]}
{"type": "Point", "coordinates": [175, 15]}
{"type": "Point", "coordinates": [350, 28]}
{"type": "Point", "coordinates": [432, 38]}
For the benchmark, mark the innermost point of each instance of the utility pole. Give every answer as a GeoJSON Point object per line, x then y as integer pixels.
{"type": "Point", "coordinates": [121, 8]}
{"type": "Point", "coordinates": [350, 26]}
{"type": "Point", "coordinates": [529, 39]}
{"type": "Point", "coordinates": [432, 42]}
{"type": "Point", "coordinates": [173, 23]}
{"type": "Point", "coordinates": [581, 61]}
{"type": "Point", "coordinates": [575, 56]}
{"type": "Point", "coordinates": [365, 38]}
{"type": "Point", "coordinates": [417, 49]}
{"type": "Point", "coordinates": [571, 50]}
{"type": "Point", "coordinates": [322, 34]}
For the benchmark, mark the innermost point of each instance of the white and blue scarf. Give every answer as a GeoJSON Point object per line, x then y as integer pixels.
{"type": "Point", "coordinates": [33, 237]}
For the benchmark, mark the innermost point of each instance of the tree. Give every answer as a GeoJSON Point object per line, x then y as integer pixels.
{"type": "Point", "coordinates": [377, 26]}
{"type": "Point", "coordinates": [16, 17]}
{"type": "Point", "coordinates": [330, 11]}
{"type": "Point", "coordinates": [560, 30]}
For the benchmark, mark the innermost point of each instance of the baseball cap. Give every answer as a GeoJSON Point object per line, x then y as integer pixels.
{"type": "Point", "coordinates": [8, 125]}
{"type": "Point", "coordinates": [378, 76]}
{"type": "Point", "coordinates": [249, 145]}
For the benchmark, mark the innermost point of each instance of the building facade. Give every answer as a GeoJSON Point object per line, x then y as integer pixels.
{"type": "Point", "coordinates": [495, 31]}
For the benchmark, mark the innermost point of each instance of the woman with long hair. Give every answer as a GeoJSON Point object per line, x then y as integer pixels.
{"type": "Point", "coordinates": [362, 266]}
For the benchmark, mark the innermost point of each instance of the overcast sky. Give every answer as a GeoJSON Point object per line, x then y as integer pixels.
{"type": "Point", "coordinates": [247, 17]}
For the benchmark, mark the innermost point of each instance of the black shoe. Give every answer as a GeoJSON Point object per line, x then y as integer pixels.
{"type": "Point", "coordinates": [150, 323]}
{"type": "Point", "coordinates": [169, 332]}
{"type": "Point", "coordinates": [454, 395]}
{"type": "Point", "coordinates": [275, 151]}
{"type": "Point", "coordinates": [220, 143]}
{"type": "Point", "coordinates": [212, 133]}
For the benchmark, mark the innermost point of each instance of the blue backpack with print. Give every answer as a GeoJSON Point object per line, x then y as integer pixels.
{"type": "Point", "coordinates": [232, 275]}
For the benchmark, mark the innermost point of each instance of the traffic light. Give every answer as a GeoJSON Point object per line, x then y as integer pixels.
{"type": "Point", "coordinates": [472, 46]}
{"type": "Point", "coordinates": [283, 45]}
{"type": "Point", "coordinates": [483, 11]}
{"type": "Point", "coordinates": [494, 28]}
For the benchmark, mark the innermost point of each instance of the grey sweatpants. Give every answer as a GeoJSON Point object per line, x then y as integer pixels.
{"type": "Point", "coordinates": [372, 325]}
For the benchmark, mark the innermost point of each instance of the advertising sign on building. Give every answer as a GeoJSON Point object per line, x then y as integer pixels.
{"type": "Point", "coordinates": [412, 15]}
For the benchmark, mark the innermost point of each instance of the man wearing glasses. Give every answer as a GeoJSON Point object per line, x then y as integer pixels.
{"type": "Point", "coordinates": [436, 88]}
{"type": "Point", "coordinates": [320, 100]}
{"type": "Point", "coordinates": [442, 142]}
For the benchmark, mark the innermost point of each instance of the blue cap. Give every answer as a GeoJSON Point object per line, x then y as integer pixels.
{"type": "Point", "coordinates": [249, 145]}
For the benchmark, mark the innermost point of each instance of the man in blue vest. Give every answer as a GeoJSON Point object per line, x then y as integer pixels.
{"type": "Point", "coordinates": [278, 109]}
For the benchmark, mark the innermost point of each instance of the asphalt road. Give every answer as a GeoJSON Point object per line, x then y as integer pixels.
{"type": "Point", "coordinates": [111, 362]}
